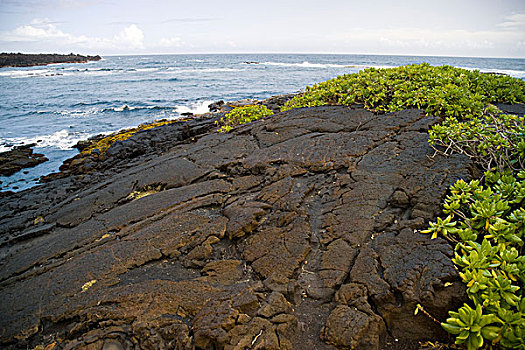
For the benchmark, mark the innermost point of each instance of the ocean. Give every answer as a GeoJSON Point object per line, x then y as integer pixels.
{"type": "Point", "coordinates": [57, 105]}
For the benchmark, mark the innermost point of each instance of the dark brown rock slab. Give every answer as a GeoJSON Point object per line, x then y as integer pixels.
{"type": "Point", "coordinates": [20, 157]}
{"type": "Point", "coordinates": [295, 232]}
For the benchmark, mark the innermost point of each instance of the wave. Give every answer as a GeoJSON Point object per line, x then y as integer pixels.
{"type": "Point", "coordinates": [108, 71]}
{"type": "Point", "coordinates": [199, 107]}
{"type": "Point", "coordinates": [149, 62]}
{"type": "Point", "coordinates": [201, 70]}
{"type": "Point", "coordinates": [125, 108]}
{"type": "Point", "coordinates": [146, 69]}
{"type": "Point", "coordinates": [63, 140]}
{"type": "Point", "coordinates": [54, 72]}
{"type": "Point", "coordinates": [97, 72]}
{"type": "Point", "coordinates": [306, 64]}
{"type": "Point", "coordinates": [195, 108]}
{"type": "Point", "coordinates": [32, 73]}
{"type": "Point", "coordinates": [510, 72]}
{"type": "Point", "coordinates": [77, 69]}
{"type": "Point", "coordinates": [97, 103]}
{"type": "Point", "coordinates": [70, 113]}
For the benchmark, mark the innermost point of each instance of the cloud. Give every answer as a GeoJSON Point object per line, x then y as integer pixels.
{"type": "Point", "coordinates": [131, 36]}
{"type": "Point", "coordinates": [424, 41]}
{"type": "Point", "coordinates": [513, 21]}
{"type": "Point", "coordinates": [38, 30]}
{"type": "Point", "coordinates": [171, 42]}
{"type": "Point", "coordinates": [44, 30]}
{"type": "Point", "coordinates": [451, 39]}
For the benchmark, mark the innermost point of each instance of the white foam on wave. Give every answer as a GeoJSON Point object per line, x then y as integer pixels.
{"type": "Point", "coordinates": [146, 69]}
{"type": "Point", "coordinates": [96, 72]}
{"type": "Point", "coordinates": [63, 140]}
{"type": "Point", "coordinates": [196, 108]}
{"type": "Point", "coordinates": [513, 73]}
{"type": "Point", "coordinates": [27, 73]}
{"type": "Point", "coordinates": [54, 72]}
{"type": "Point", "coordinates": [123, 108]}
{"type": "Point", "coordinates": [520, 74]}
{"type": "Point", "coordinates": [77, 113]}
{"type": "Point", "coordinates": [201, 70]}
{"type": "Point", "coordinates": [305, 64]}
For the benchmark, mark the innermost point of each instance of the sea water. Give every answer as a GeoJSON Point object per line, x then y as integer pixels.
{"type": "Point", "coordinates": [57, 105]}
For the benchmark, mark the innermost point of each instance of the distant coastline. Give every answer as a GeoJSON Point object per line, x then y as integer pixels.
{"type": "Point", "coordinates": [29, 60]}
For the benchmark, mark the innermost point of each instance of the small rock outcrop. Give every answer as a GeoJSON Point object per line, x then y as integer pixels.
{"type": "Point", "coordinates": [18, 158]}
{"type": "Point", "coordinates": [299, 231]}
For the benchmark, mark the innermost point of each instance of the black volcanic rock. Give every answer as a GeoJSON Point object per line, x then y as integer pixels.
{"type": "Point", "coordinates": [27, 60]}
{"type": "Point", "coordinates": [298, 231]}
{"type": "Point", "coordinates": [18, 158]}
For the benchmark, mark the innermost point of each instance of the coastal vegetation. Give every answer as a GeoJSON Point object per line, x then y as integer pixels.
{"type": "Point", "coordinates": [486, 222]}
{"type": "Point", "coordinates": [243, 115]}
{"type": "Point", "coordinates": [483, 218]}
{"type": "Point", "coordinates": [441, 91]}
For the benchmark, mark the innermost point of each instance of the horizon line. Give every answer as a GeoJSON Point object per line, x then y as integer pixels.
{"type": "Point", "coordinates": [271, 53]}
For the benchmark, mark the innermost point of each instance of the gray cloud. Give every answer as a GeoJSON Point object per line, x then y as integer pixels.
{"type": "Point", "coordinates": [513, 21]}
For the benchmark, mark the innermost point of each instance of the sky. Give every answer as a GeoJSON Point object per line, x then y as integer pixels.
{"type": "Point", "coordinates": [477, 28]}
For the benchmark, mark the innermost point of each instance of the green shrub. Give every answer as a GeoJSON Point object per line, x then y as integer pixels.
{"type": "Point", "coordinates": [492, 140]}
{"type": "Point", "coordinates": [487, 223]}
{"type": "Point", "coordinates": [243, 115]}
{"type": "Point", "coordinates": [442, 91]}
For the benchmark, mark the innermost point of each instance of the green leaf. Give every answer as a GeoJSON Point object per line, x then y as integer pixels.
{"type": "Point", "coordinates": [490, 332]}
{"type": "Point", "coordinates": [451, 328]}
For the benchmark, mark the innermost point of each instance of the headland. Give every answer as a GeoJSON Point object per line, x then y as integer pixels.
{"type": "Point", "coordinates": [28, 60]}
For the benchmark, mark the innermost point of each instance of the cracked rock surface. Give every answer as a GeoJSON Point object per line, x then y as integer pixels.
{"type": "Point", "coordinates": [294, 232]}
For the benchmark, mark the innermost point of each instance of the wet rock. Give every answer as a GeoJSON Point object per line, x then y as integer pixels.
{"type": "Point", "coordinates": [297, 231]}
{"type": "Point", "coordinates": [20, 157]}
{"type": "Point", "coordinates": [216, 106]}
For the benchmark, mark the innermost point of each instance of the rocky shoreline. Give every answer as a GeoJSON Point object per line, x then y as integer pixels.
{"type": "Point", "coordinates": [299, 231]}
{"type": "Point", "coordinates": [28, 60]}
{"type": "Point", "coordinates": [294, 232]}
